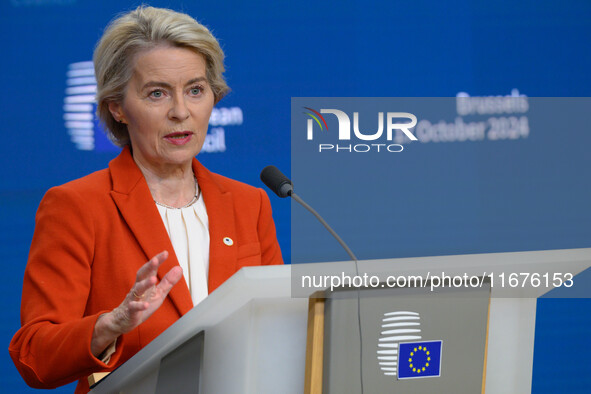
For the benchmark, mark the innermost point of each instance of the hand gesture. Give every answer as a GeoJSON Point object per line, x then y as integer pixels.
{"type": "Point", "coordinates": [141, 302]}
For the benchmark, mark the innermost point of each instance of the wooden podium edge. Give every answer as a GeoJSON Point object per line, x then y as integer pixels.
{"type": "Point", "coordinates": [314, 346]}
{"type": "Point", "coordinates": [486, 346]}
{"type": "Point", "coordinates": [96, 377]}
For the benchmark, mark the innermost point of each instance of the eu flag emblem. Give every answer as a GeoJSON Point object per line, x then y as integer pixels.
{"type": "Point", "coordinates": [419, 360]}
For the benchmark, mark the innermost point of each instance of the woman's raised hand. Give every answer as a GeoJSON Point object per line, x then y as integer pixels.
{"type": "Point", "coordinates": [143, 299]}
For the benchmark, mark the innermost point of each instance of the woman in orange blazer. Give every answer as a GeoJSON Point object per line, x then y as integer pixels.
{"type": "Point", "coordinates": [90, 300]}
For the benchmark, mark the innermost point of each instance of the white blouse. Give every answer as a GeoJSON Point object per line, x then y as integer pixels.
{"type": "Point", "coordinates": [188, 229]}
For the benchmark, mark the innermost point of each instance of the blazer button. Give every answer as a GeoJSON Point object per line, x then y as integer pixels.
{"type": "Point", "coordinates": [228, 241]}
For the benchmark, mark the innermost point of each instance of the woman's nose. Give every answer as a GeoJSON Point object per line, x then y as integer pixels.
{"type": "Point", "coordinates": [179, 110]}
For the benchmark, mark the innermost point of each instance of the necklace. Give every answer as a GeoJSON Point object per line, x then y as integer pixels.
{"type": "Point", "coordinates": [193, 201]}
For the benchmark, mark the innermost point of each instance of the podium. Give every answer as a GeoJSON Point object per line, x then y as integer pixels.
{"type": "Point", "coordinates": [250, 334]}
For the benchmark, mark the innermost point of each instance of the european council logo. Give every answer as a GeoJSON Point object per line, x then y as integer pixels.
{"type": "Point", "coordinates": [80, 105]}
{"type": "Point", "coordinates": [84, 127]}
{"type": "Point", "coordinates": [398, 327]}
{"type": "Point", "coordinates": [419, 360]}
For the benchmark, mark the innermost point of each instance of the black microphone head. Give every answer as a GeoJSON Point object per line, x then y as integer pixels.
{"type": "Point", "coordinates": [276, 181]}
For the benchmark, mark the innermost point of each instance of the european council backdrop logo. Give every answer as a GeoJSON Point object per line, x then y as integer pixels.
{"type": "Point", "coordinates": [420, 360]}
{"type": "Point", "coordinates": [80, 106]}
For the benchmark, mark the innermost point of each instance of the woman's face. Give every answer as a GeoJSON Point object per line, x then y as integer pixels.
{"type": "Point", "coordinates": [166, 107]}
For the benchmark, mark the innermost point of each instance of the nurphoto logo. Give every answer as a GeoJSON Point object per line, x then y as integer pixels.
{"type": "Point", "coordinates": [373, 141]}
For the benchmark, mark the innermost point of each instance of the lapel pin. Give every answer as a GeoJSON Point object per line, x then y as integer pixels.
{"type": "Point", "coordinates": [228, 241]}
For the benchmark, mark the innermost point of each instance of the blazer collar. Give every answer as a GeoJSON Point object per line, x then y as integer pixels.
{"type": "Point", "coordinates": [134, 200]}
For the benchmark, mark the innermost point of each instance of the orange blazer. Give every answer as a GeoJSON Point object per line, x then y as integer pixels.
{"type": "Point", "coordinates": [91, 237]}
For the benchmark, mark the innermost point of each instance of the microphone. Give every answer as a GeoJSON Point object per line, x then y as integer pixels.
{"type": "Point", "coordinates": [282, 186]}
{"type": "Point", "coordinates": [276, 181]}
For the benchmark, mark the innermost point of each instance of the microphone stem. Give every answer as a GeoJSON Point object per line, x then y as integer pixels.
{"type": "Point", "coordinates": [352, 256]}
{"type": "Point", "coordinates": [330, 230]}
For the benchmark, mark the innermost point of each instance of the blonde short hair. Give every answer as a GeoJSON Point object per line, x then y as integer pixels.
{"type": "Point", "coordinates": [138, 30]}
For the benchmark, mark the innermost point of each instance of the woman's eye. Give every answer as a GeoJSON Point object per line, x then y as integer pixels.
{"type": "Point", "coordinates": [195, 91]}
{"type": "Point", "coordinates": [156, 93]}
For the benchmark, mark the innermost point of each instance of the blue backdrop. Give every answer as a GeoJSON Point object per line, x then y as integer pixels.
{"type": "Point", "coordinates": [278, 50]}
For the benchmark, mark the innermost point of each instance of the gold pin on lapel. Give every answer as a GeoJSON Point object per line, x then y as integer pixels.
{"type": "Point", "coordinates": [228, 241]}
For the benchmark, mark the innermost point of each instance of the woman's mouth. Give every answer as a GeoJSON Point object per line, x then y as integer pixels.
{"type": "Point", "coordinates": [179, 138]}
